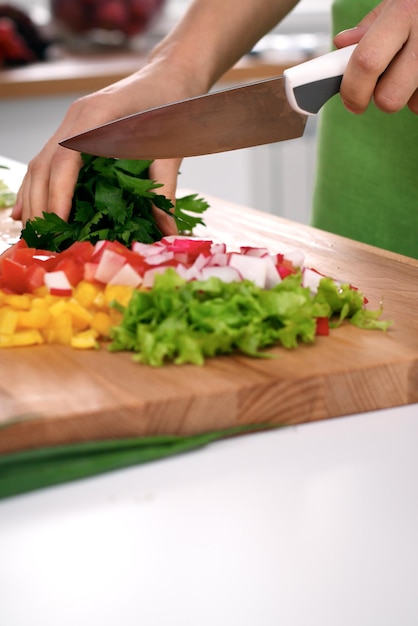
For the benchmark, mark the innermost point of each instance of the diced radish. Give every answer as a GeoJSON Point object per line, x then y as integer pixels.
{"type": "Point", "coordinates": [126, 276]}
{"type": "Point", "coordinates": [58, 284]}
{"type": "Point", "coordinates": [99, 245]}
{"type": "Point", "coordinates": [193, 246]}
{"type": "Point", "coordinates": [311, 279]}
{"type": "Point", "coordinates": [170, 238]}
{"type": "Point", "coordinates": [189, 273]}
{"type": "Point", "coordinates": [200, 262]}
{"type": "Point", "coordinates": [149, 276]}
{"type": "Point", "coordinates": [272, 275]}
{"type": "Point", "coordinates": [109, 264]}
{"type": "Point", "coordinates": [250, 251]}
{"type": "Point", "coordinates": [147, 249]}
{"type": "Point", "coordinates": [296, 257]}
{"type": "Point", "coordinates": [227, 273]}
{"type": "Point", "coordinates": [159, 259]}
{"type": "Point", "coordinates": [250, 267]}
{"type": "Point", "coordinates": [183, 271]}
{"type": "Point", "coordinates": [218, 248]}
{"type": "Point", "coordinates": [219, 258]}
{"type": "Point", "coordinates": [181, 257]}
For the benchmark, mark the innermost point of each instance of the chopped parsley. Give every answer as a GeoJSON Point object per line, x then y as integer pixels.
{"type": "Point", "coordinates": [113, 200]}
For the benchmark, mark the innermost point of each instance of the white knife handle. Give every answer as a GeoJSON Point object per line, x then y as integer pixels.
{"type": "Point", "coordinates": [311, 84]}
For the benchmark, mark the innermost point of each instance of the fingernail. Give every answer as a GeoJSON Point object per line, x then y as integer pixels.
{"type": "Point", "coordinates": [347, 30]}
{"type": "Point", "coordinates": [350, 108]}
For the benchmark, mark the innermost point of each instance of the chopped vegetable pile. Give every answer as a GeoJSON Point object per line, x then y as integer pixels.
{"type": "Point", "coordinates": [108, 275]}
{"type": "Point", "coordinates": [179, 299]}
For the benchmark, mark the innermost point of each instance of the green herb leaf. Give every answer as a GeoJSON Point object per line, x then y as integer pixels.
{"type": "Point", "coordinates": [113, 199]}
{"type": "Point", "coordinates": [188, 212]}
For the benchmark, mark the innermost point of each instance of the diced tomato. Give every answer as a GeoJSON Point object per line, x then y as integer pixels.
{"type": "Point", "coordinates": [72, 268]}
{"type": "Point", "coordinates": [29, 256]}
{"type": "Point", "coordinates": [135, 260]}
{"type": "Point", "coordinates": [34, 277]}
{"type": "Point", "coordinates": [81, 251]}
{"type": "Point", "coordinates": [14, 275]}
{"type": "Point", "coordinates": [322, 326]}
{"type": "Point", "coordinates": [90, 271]}
{"type": "Point", "coordinates": [10, 252]}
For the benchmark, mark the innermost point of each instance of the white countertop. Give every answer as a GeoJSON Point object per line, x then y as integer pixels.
{"type": "Point", "coordinates": [307, 525]}
{"type": "Point", "coordinates": [314, 525]}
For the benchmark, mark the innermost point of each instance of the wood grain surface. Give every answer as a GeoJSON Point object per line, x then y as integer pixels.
{"type": "Point", "coordinates": [54, 395]}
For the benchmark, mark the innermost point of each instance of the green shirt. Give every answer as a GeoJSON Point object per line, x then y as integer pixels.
{"type": "Point", "coordinates": [367, 176]}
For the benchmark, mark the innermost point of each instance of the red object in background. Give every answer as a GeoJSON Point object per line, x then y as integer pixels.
{"type": "Point", "coordinates": [21, 42]}
{"type": "Point", "coordinates": [129, 17]}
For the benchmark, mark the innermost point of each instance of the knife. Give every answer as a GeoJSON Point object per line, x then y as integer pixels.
{"type": "Point", "coordinates": [258, 113]}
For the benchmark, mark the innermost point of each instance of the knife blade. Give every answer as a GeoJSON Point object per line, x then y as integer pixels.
{"type": "Point", "coordinates": [258, 113]}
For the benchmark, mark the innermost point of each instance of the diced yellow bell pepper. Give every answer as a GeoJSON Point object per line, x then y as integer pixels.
{"type": "Point", "coordinates": [101, 323]}
{"type": "Point", "coordinates": [99, 301]}
{"type": "Point", "coordinates": [8, 321]}
{"type": "Point", "coordinates": [36, 317]}
{"type": "Point", "coordinates": [81, 316]}
{"type": "Point", "coordinates": [79, 321]}
{"type": "Point", "coordinates": [39, 303]}
{"type": "Point", "coordinates": [120, 293]}
{"type": "Point", "coordinates": [85, 293]}
{"type": "Point", "coordinates": [21, 338]}
{"type": "Point", "coordinates": [18, 301]}
{"type": "Point", "coordinates": [58, 307]}
{"type": "Point", "coordinates": [60, 329]}
{"type": "Point", "coordinates": [41, 292]}
{"type": "Point", "coordinates": [85, 340]}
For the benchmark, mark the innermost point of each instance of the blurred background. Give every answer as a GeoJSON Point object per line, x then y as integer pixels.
{"type": "Point", "coordinates": [277, 178]}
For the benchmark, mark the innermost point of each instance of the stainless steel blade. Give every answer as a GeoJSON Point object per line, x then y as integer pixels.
{"type": "Point", "coordinates": [250, 115]}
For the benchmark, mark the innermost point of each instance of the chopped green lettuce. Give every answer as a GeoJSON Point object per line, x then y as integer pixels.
{"type": "Point", "coordinates": [187, 322]}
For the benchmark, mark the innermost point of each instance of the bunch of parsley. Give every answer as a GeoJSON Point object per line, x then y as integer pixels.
{"type": "Point", "coordinates": [112, 200]}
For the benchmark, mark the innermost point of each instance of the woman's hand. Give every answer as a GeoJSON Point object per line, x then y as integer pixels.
{"type": "Point", "coordinates": [209, 39]}
{"type": "Point", "coordinates": [48, 185]}
{"type": "Point", "coordinates": [384, 67]}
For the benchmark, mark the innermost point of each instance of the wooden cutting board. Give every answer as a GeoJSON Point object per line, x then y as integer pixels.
{"type": "Point", "coordinates": [55, 395]}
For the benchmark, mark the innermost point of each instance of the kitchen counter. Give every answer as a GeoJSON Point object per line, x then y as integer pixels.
{"type": "Point", "coordinates": [70, 72]}
{"type": "Point", "coordinates": [313, 524]}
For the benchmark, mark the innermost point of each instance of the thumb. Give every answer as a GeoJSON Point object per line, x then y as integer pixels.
{"type": "Point", "coordinates": [165, 172]}
{"type": "Point", "coordinates": [353, 35]}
